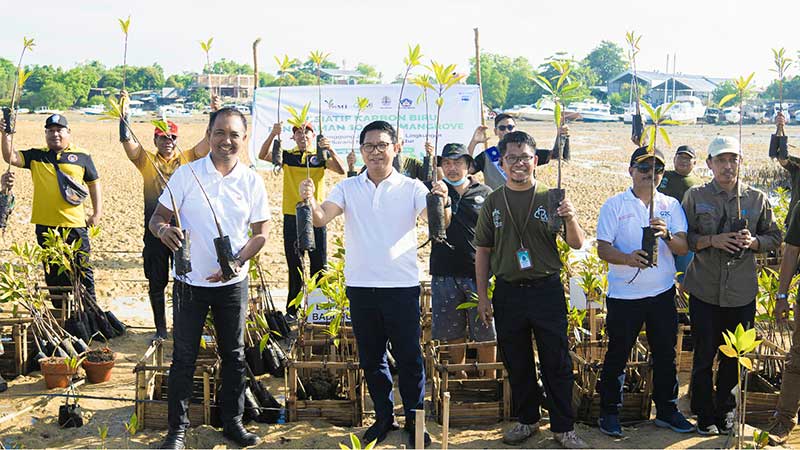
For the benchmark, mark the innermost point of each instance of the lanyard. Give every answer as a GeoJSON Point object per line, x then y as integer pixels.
{"type": "Point", "coordinates": [527, 217]}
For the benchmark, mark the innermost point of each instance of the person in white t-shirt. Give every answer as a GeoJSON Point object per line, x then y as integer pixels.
{"type": "Point", "coordinates": [380, 208]}
{"type": "Point", "coordinates": [638, 294]}
{"type": "Point", "coordinates": [239, 199]}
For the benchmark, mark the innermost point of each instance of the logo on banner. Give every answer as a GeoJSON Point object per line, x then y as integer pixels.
{"type": "Point", "coordinates": [333, 105]}
{"type": "Point", "coordinates": [406, 103]}
{"type": "Point", "coordinates": [386, 102]}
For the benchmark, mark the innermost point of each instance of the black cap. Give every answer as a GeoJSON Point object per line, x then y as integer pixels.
{"type": "Point", "coordinates": [642, 153]}
{"type": "Point", "coordinates": [454, 151]}
{"type": "Point", "coordinates": [686, 149]}
{"type": "Point", "coordinates": [56, 119]}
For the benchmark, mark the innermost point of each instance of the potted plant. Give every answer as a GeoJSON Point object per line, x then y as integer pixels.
{"type": "Point", "coordinates": [98, 362]}
{"type": "Point", "coordinates": [59, 370]}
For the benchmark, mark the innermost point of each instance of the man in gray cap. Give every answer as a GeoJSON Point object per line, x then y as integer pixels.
{"type": "Point", "coordinates": [452, 267]}
{"type": "Point", "coordinates": [61, 173]}
{"type": "Point", "coordinates": [720, 280]}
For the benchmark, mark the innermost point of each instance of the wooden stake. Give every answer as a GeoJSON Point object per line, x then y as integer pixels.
{"type": "Point", "coordinates": [419, 425]}
{"type": "Point", "coordinates": [478, 73]}
{"type": "Point", "coordinates": [445, 420]}
{"type": "Point", "coordinates": [255, 65]}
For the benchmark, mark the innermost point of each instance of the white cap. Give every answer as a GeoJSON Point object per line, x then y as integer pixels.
{"type": "Point", "coordinates": [723, 144]}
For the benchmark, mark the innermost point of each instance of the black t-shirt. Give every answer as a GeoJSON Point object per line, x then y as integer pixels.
{"type": "Point", "coordinates": [793, 231]}
{"type": "Point", "coordinates": [793, 167]}
{"type": "Point", "coordinates": [460, 260]}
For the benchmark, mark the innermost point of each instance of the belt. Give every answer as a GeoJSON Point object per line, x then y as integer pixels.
{"type": "Point", "coordinates": [538, 282]}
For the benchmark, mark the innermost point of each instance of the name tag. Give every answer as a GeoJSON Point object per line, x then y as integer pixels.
{"type": "Point", "coordinates": [524, 259]}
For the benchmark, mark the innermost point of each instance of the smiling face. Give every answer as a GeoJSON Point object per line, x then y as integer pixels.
{"type": "Point", "coordinates": [455, 169]}
{"type": "Point", "coordinates": [226, 136]}
{"type": "Point", "coordinates": [684, 163]}
{"type": "Point", "coordinates": [164, 144]}
{"type": "Point", "coordinates": [642, 174]}
{"type": "Point", "coordinates": [57, 137]}
{"type": "Point", "coordinates": [519, 162]}
{"type": "Point", "coordinates": [378, 151]}
{"type": "Point", "coordinates": [303, 138]}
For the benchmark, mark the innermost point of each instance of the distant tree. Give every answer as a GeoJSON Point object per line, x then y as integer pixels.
{"type": "Point", "coordinates": [521, 88]}
{"type": "Point", "coordinates": [228, 67]}
{"type": "Point", "coordinates": [200, 96]}
{"type": "Point", "coordinates": [96, 100]}
{"type": "Point", "coordinates": [791, 89]}
{"type": "Point", "coordinates": [309, 68]}
{"type": "Point", "coordinates": [728, 87]}
{"type": "Point", "coordinates": [494, 78]}
{"type": "Point", "coordinates": [52, 95]}
{"type": "Point", "coordinates": [7, 78]}
{"type": "Point", "coordinates": [371, 75]}
{"type": "Point", "coordinates": [266, 79]}
{"type": "Point", "coordinates": [180, 81]}
{"type": "Point", "coordinates": [607, 60]}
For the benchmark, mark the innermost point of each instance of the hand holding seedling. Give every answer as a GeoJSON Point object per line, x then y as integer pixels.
{"type": "Point", "coordinates": [637, 259]}
{"type": "Point", "coordinates": [727, 241]}
{"type": "Point", "coordinates": [781, 311]}
{"type": "Point", "coordinates": [440, 189]}
{"type": "Point", "coordinates": [747, 240]}
{"type": "Point", "coordinates": [307, 189]}
{"type": "Point", "coordinates": [324, 143]}
{"type": "Point", "coordinates": [660, 226]}
{"type": "Point", "coordinates": [480, 136]}
{"type": "Point", "coordinates": [217, 277]}
{"type": "Point", "coordinates": [351, 161]}
{"type": "Point", "coordinates": [216, 102]}
{"type": "Point", "coordinates": [428, 148]}
{"type": "Point", "coordinates": [276, 129]}
{"type": "Point", "coordinates": [170, 236]}
{"type": "Point", "coordinates": [780, 119]}
{"type": "Point", "coordinates": [7, 181]}
{"type": "Point", "coordinates": [566, 210]}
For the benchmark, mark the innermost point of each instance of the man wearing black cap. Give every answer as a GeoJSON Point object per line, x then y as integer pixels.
{"type": "Point", "coordinates": [295, 171]}
{"type": "Point", "coordinates": [51, 208]}
{"type": "Point", "coordinates": [638, 294]}
{"type": "Point", "coordinates": [152, 165]}
{"type": "Point", "coordinates": [453, 267]}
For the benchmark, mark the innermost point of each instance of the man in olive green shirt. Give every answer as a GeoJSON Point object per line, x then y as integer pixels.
{"type": "Point", "coordinates": [722, 286]}
{"type": "Point", "coordinates": [792, 165]}
{"type": "Point", "coordinates": [512, 238]}
{"type": "Point", "coordinates": [675, 184]}
{"type": "Point", "coordinates": [785, 418]}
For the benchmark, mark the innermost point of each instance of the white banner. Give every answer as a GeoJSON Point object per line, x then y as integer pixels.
{"type": "Point", "coordinates": [460, 115]}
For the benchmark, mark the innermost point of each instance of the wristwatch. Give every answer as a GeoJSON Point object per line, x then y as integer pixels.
{"type": "Point", "coordinates": [782, 297]}
{"type": "Point", "coordinates": [667, 237]}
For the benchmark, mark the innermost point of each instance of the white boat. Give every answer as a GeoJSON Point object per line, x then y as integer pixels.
{"type": "Point", "coordinates": [173, 111]}
{"type": "Point", "coordinates": [731, 114]}
{"type": "Point", "coordinates": [531, 112]}
{"type": "Point", "coordinates": [46, 110]}
{"type": "Point", "coordinates": [94, 110]}
{"type": "Point", "coordinates": [683, 114]}
{"type": "Point", "coordinates": [689, 106]}
{"type": "Point", "coordinates": [593, 111]}
{"type": "Point", "coordinates": [627, 116]}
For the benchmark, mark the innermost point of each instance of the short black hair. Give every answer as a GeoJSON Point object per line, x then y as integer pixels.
{"type": "Point", "coordinates": [379, 125]}
{"type": "Point", "coordinates": [226, 111]}
{"type": "Point", "coordinates": [501, 117]}
{"type": "Point", "coordinates": [516, 137]}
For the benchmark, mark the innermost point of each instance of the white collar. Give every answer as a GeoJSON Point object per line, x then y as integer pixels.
{"type": "Point", "coordinates": [211, 169]}
{"type": "Point", "coordinates": [393, 178]}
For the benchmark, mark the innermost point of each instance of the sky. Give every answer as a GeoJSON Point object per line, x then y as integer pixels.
{"type": "Point", "coordinates": [715, 38]}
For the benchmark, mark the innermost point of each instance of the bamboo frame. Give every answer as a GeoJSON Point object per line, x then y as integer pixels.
{"type": "Point", "coordinates": [342, 412]}
{"type": "Point", "coordinates": [15, 358]}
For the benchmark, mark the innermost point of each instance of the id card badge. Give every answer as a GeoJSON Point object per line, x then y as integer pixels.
{"type": "Point", "coordinates": [524, 259]}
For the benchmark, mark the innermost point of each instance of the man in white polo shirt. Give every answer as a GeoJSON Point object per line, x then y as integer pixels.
{"type": "Point", "coordinates": [638, 294]}
{"type": "Point", "coordinates": [239, 200]}
{"type": "Point", "coordinates": [380, 208]}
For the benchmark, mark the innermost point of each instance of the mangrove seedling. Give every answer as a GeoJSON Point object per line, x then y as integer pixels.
{"type": "Point", "coordinates": [356, 444]}
{"type": "Point", "coordinates": [743, 91]}
{"type": "Point", "coordinates": [637, 123]}
{"type": "Point", "coordinates": [411, 60]}
{"type": "Point", "coordinates": [562, 89]}
{"type": "Point", "coordinates": [738, 344]}
{"type": "Point", "coordinates": [284, 66]}
{"type": "Point", "coordinates": [125, 25]}
{"type": "Point", "coordinates": [445, 77]}
{"type": "Point", "coordinates": [423, 82]}
{"type": "Point", "coordinates": [362, 103]}
{"type": "Point", "coordinates": [778, 142]}
{"type": "Point", "coordinates": [319, 58]}
{"type": "Point", "coordinates": [102, 433]}
{"type": "Point", "coordinates": [303, 215]}
{"type": "Point", "coordinates": [206, 47]}
{"type": "Point", "coordinates": [131, 427]}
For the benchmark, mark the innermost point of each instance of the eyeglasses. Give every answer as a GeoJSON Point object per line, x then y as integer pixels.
{"type": "Point", "coordinates": [525, 159]}
{"type": "Point", "coordinates": [646, 168]}
{"type": "Point", "coordinates": [506, 127]}
{"type": "Point", "coordinates": [381, 147]}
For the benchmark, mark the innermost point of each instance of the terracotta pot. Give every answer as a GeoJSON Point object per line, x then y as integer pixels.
{"type": "Point", "coordinates": [98, 372]}
{"type": "Point", "coordinates": [56, 372]}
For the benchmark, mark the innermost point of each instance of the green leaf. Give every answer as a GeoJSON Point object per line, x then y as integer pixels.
{"type": "Point", "coordinates": [206, 45]}
{"type": "Point", "coordinates": [726, 99]}
{"type": "Point", "coordinates": [728, 351]}
{"type": "Point", "coordinates": [125, 24]}
{"type": "Point", "coordinates": [557, 114]}
{"type": "Point", "coordinates": [354, 441]}
{"type": "Point", "coordinates": [466, 305]}
{"type": "Point", "coordinates": [665, 136]}
{"type": "Point", "coordinates": [745, 361]}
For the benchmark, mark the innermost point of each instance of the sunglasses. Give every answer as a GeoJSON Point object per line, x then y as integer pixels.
{"type": "Point", "coordinates": [646, 168]}
{"type": "Point", "coordinates": [505, 127]}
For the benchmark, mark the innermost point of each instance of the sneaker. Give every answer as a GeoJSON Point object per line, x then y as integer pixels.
{"type": "Point", "coordinates": [675, 422]}
{"type": "Point", "coordinates": [519, 433]}
{"type": "Point", "coordinates": [726, 423]}
{"type": "Point", "coordinates": [707, 430]}
{"type": "Point", "coordinates": [377, 431]}
{"type": "Point", "coordinates": [570, 439]}
{"type": "Point", "coordinates": [778, 432]}
{"type": "Point", "coordinates": [609, 425]}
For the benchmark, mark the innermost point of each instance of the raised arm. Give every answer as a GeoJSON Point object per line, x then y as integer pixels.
{"type": "Point", "coordinates": [321, 214]}
{"type": "Point", "coordinates": [10, 155]}
{"type": "Point", "coordinates": [266, 147]}
{"type": "Point", "coordinates": [202, 148]}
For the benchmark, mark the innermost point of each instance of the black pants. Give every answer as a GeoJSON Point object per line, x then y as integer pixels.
{"type": "Point", "coordinates": [536, 309]}
{"type": "Point", "coordinates": [319, 257]}
{"type": "Point", "coordinates": [708, 323]}
{"type": "Point", "coordinates": [157, 259]}
{"type": "Point", "coordinates": [380, 316]}
{"type": "Point", "coordinates": [228, 306]}
{"type": "Point", "coordinates": [51, 276]}
{"type": "Point", "coordinates": [623, 324]}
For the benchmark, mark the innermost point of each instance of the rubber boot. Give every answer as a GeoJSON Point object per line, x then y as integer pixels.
{"type": "Point", "coordinates": [157, 302]}
{"type": "Point", "coordinates": [789, 399]}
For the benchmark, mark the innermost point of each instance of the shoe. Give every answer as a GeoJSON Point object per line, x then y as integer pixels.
{"type": "Point", "coordinates": [778, 432]}
{"type": "Point", "coordinates": [3, 384]}
{"type": "Point", "coordinates": [675, 422]}
{"type": "Point", "coordinates": [519, 433]}
{"type": "Point", "coordinates": [707, 430]}
{"type": "Point", "coordinates": [291, 319]}
{"type": "Point", "coordinates": [570, 439]}
{"type": "Point", "coordinates": [176, 439]}
{"type": "Point", "coordinates": [726, 423]}
{"type": "Point", "coordinates": [412, 441]}
{"type": "Point", "coordinates": [609, 425]}
{"type": "Point", "coordinates": [377, 431]}
{"type": "Point", "coordinates": [239, 434]}
{"type": "Point", "coordinates": [159, 335]}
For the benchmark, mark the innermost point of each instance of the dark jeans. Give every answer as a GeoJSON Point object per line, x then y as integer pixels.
{"type": "Point", "coordinates": [51, 276]}
{"type": "Point", "coordinates": [319, 257]}
{"type": "Point", "coordinates": [623, 324]}
{"type": "Point", "coordinates": [535, 309]}
{"type": "Point", "coordinates": [228, 306]}
{"type": "Point", "coordinates": [708, 323]}
{"type": "Point", "coordinates": [380, 316]}
{"type": "Point", "coordinates": [157, 258]}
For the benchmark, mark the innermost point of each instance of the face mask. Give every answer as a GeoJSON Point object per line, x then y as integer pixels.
{"type": "Point", "coordinates": [455, 183]}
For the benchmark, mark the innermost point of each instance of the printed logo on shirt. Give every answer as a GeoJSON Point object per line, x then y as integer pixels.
{"type": "Point", "coordinates": [665, 214]}
{"type": "Point", "coordinates": [498, 222]}
{"type": "Point", "coordinates": [625, 216]}
{"type": "Point", "coordinates": [540, 214]}
{"type": "Point", "coordinates": [72, 158]}
{"type": "Point", "coordinates": [663, 184]}
{"type": "Point", "coordinates": [479, 199]}
{"type": "Point", "coordinates": [704, 208]}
